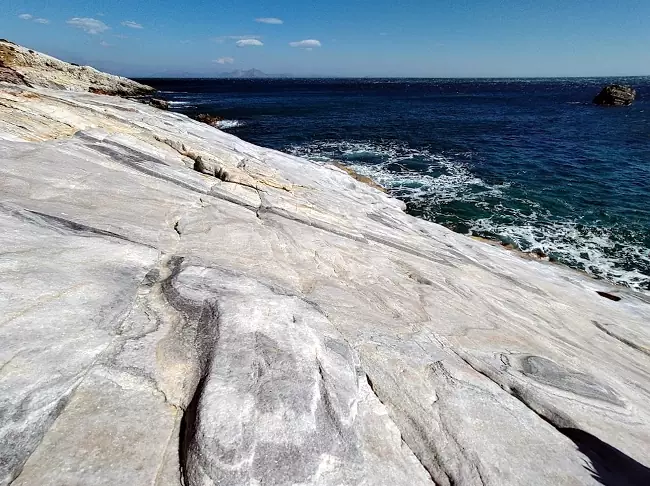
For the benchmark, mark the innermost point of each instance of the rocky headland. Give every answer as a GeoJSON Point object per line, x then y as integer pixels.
{"type": "Point", "coordinates": [183, 307]}
{"type": "Point", "coordinates": [22, 66]}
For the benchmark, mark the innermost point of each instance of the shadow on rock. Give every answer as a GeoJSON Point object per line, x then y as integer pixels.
{"type": "Point", "coordinates": [609, 465]}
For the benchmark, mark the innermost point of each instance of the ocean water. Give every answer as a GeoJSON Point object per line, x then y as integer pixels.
{"type": "Point", "coordinates": [529, 162]}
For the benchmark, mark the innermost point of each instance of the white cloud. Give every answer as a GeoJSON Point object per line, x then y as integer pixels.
{"type": "Point", "coordinates": [306, 44]}
{"type": "Point", "coordinates": [39, 20]}
{"type": "Point", "coordinates": [132, 24]}
{"type": "Point", "coordinates": [88, 25]}
{"type": "Point", "coordinates": [104, 44]}
{"type": "Point", "coordinates": [221, 39]}
{"type": "Point", "coordinates": [224, 60]}
{"type": "Point", "coordinates": [249, 43]}
{"type": "Point", "coordinates": [269, 20]}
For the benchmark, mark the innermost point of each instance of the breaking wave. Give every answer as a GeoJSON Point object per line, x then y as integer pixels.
{"type": "Point", "coordinates": [181, 104]}
{"type": "Point", "coordinates": [226, 124]}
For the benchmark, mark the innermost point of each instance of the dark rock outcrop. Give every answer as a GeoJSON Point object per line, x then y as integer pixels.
{"type": "Point", "coordinates": [208, 119]}
{"type": "Point", "coordinates": [124, 92]}
{"type": "Point", "coordinates": [158, 103]}
{"type": "Point", "coordinates": [615, 95]}
{"type": "Point", "coordinates": [8, 75]}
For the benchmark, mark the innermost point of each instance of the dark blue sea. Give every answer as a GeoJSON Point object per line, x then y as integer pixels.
{"type": "Point", "coordinates": [528, 162]}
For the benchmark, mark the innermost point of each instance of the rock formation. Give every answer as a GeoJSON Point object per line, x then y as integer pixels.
{"type": "Point", "coordinates": [208, 119]}
{"type": "Point", "coordinates": [158, 103]}
{"type": "Point", "coordinates": [182, 307]}
{"type": "Point", "coordinates": [39, 70]}
{"type": "Point", "coordinates": [615, 95]}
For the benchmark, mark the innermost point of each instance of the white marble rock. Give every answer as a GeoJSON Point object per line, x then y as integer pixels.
{"type": "Point", "coordinates": [263, 320]}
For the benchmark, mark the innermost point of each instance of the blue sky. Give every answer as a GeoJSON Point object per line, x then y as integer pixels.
{"type": "Point", "coordinates": [459, 38]}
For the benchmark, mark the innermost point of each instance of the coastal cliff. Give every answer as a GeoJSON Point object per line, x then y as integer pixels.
{"type": "Point", "coordinates": [183, 307]}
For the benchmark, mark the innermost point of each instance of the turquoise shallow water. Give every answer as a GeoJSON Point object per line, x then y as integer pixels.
{"type": "Point", "coordinates": [527, 162]}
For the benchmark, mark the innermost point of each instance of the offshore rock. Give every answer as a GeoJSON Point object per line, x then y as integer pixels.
{"type": "Point", "coordinates": [183, 307]}
{"type": "Point", "coordinates": [615, 95]}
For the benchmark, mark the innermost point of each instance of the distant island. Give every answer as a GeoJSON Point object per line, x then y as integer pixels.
{"type": "Point", "coordinates": [236, 74]}
{"type": "Point", "coordinates": [250, 73]}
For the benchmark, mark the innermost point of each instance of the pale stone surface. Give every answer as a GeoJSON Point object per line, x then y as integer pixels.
{"type": "Point", "coordinates": [26, 66]}
{"type": "Point", "coordinates": [264, 320]}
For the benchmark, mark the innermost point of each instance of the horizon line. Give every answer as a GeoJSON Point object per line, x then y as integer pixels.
{"type": "Point", "coordinates": [271, 76]}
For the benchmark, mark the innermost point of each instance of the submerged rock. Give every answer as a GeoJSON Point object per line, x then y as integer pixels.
{"type": "Point", "coordinates": [615, 95]}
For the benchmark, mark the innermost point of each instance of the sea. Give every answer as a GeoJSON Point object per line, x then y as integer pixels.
{"type": "Point", "coordinates": [530, 163]}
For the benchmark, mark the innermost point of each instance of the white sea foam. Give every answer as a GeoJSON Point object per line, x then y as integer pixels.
{"type": "Point", "coordinates": [448, 178]}
{"type": "Point", "coordinates": [226, 124]}
{"type": "Point", "coordinates": [181, 104]}
{"type": "Point", "coordinates": [592, 249]}
{"type": "Point", "coordinates": [444, 179]}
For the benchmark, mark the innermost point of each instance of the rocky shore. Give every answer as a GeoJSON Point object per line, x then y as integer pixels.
{"type": "Point", "coordinates": [23, 66]}
{"type": "Point", "coordinates": [183, 307]}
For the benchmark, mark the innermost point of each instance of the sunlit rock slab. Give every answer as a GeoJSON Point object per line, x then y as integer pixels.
{"type": "Point", "coordinates": [259, 319]}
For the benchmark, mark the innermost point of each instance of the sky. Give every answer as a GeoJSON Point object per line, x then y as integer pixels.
{"type": "Point", "coordinates": [382, 38]}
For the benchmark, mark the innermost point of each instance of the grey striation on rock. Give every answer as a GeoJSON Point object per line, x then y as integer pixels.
{"type": "Point", "coordinates": [183, 307]}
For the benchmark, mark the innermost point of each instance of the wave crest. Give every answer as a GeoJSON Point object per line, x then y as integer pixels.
{"type": "Point", "coordinates": [226, 124]}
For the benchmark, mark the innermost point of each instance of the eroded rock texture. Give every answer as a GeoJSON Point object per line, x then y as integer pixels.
{"type": "Point", "coordinates": [182, 307]}
{"type": "Point", "coordinates": [19, 65]}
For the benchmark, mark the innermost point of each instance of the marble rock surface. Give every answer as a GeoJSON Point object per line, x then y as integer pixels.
{"type": "Point", "coordinates": [182, 307]}
{"type": "Point", "coordinates": [23, 66]}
